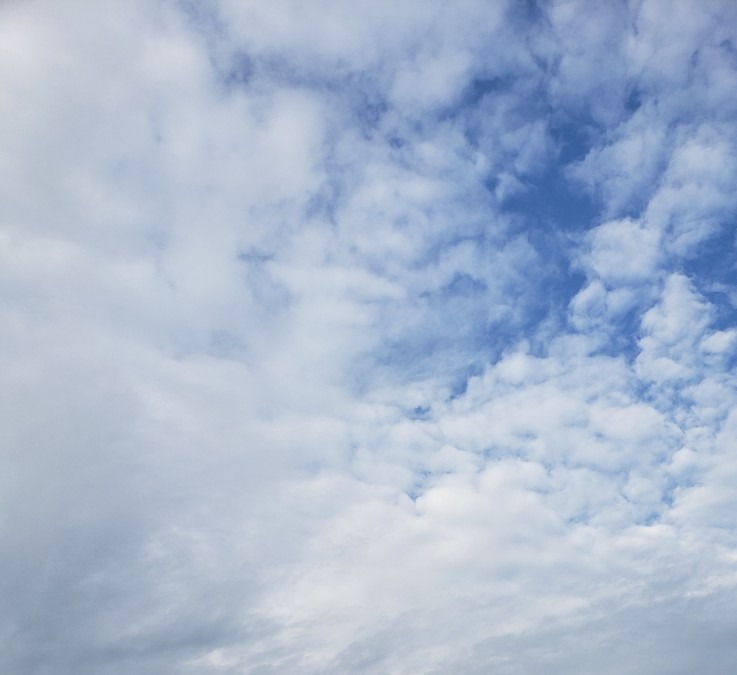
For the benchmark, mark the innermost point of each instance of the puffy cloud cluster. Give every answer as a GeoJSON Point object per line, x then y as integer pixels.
{"type": "Point", "coordinates": [357, 337]}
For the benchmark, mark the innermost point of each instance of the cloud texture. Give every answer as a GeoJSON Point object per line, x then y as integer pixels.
{"type": "Point", "coordinates": [368, 337]}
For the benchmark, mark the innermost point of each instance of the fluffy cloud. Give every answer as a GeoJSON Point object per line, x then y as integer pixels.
{"type": "Point", "coordinates": [367, 338]}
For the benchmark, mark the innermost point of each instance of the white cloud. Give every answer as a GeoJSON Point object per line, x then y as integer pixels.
{"type": "Point", "coordinates": [294, 380]}
{"type": "Point", "coordinates": [624, 251]}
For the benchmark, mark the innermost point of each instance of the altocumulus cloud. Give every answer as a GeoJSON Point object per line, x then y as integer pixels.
{"type": "Point", "coordinates": [368, 337]}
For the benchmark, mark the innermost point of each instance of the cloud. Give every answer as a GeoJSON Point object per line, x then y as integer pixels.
{"type": "Point", "coordinates": [367, 338]}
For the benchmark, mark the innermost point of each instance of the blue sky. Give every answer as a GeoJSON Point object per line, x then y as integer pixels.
{"type": "Point", "coordinates": [368, 337]}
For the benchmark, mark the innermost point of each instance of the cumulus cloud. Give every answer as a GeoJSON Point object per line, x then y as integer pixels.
{"type": "Point", "coordinates": [366, 338]}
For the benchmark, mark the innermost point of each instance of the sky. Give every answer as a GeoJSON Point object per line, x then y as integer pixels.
{"type": "Point", "coordinates": [368, 337]}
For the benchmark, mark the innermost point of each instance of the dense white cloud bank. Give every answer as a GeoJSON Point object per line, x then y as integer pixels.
{"type": "Point", "coordinates": [368, 337]}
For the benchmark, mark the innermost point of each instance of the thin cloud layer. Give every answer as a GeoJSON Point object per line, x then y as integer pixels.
{"type": "Point", "coordinates": [365, 338]}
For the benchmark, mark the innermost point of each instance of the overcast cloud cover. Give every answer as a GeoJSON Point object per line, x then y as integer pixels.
{"type": "Point", "coordinates": [368, 337]}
